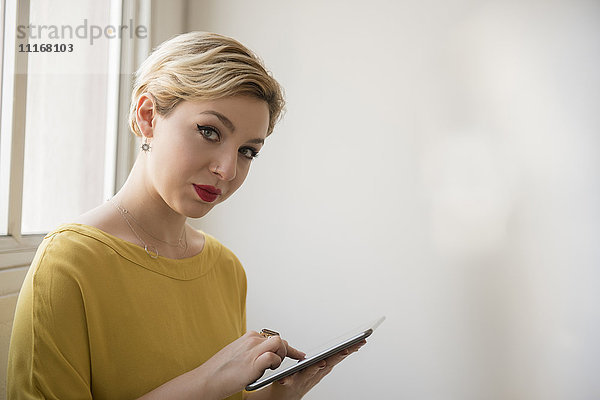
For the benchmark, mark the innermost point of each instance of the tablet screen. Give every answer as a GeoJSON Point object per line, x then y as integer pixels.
{"type": "Point", "coordinates": [290, 366]}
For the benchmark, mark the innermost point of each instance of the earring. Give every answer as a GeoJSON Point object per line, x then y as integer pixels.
{"type": "Point", "coordinates": [146, 145]}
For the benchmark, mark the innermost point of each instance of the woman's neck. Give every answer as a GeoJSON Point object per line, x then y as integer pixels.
{"type": "Point", "coordinates": [149, 210]}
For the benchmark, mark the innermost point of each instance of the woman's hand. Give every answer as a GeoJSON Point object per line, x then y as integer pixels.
{"type": "Point", "coordinates": [244, 361]}
{"type": "Point", "coordinates": [295, 386]}
{"type": "Point", "coordinates": [239, 363]}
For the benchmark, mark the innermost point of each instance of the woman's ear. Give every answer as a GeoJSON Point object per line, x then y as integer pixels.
{"type": "Point", "coordinates": [145, 114]}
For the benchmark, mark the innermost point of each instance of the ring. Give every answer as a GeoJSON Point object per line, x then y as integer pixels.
{"type": "Point", "coordinates": [267, 333]}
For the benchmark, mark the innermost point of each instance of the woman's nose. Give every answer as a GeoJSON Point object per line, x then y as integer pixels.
{"type": "Point", "coordinates": [225, 166]}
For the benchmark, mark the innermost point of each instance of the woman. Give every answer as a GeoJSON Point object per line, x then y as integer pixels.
{"type": "Point", "coordinates": [130, 301]}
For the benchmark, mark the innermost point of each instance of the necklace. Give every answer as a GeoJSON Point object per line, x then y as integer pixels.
{"type": "Point", "coordinates": [180, 242]}
{"type": "Point", "coordinates": [150, 249]}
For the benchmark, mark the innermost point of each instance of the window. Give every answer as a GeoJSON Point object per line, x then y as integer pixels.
{"type": "Point", "coordinates": [64, 140]}
{"type": "Point", "coordinates": [66, 124]}
{"type": "Point", "coordinates": [64, 144]}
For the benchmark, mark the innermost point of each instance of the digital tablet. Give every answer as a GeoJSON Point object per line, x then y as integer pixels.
{"type": "Point", "coordinates": [290, 366]}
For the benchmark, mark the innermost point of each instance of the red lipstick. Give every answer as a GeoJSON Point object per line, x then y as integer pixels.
{"type": "Point", "coordinates": [207, 193]}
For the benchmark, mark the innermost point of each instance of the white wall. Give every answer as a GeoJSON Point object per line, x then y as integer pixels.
{"type": "Point", "coordinates": [439, 164]}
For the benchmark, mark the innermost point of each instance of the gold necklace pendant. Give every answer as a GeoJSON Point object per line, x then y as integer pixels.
{"type": "Point", "coordinates": [151, 251]}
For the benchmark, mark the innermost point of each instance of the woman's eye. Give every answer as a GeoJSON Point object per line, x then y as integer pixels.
{"type": "Point", "coordinates": [208, 132]}
{"type": "Point", "coordinates": [248, 152]}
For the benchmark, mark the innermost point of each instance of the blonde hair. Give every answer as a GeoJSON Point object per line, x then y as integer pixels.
{"type": "Point", "coordinates": [203, 66]}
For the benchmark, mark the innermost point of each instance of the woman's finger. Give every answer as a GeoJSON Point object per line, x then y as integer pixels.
{"type": "Point", "coordinates": [313, 370]}
{"type": "Point", "coordinates": [268, 360]}
{"type": "Point", "coordinates": [342, 354]}
{"type": "Point", "coordinates": [294, 353]}
{"type": "Point", "coordinates": [273, 344]}
{"type": "Point", "coordinates": [304, 380]}
{"type": "Point", "coordinates": [338, 357]}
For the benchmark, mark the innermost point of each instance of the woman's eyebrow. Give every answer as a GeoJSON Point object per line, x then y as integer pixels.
{"type": "Point", "coordinates": [230, 125]}
{"type": "Point", "coordinates": [222, 118]}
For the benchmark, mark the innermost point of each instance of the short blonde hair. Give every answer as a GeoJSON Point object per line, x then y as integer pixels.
{"type": "Point", "coordinates": [203, 66]}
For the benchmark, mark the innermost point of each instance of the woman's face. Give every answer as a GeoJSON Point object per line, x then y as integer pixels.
{"type": "Point", "coordinates": [201, 152]}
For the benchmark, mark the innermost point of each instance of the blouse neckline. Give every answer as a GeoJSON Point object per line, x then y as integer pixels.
{"type": "Point", "coordinates": [184, 269]}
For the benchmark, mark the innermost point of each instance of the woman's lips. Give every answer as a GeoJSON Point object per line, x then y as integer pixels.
{"type": "Point", "coordinates": [207, 193]}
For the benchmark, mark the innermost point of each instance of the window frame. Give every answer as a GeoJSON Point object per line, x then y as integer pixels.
{"type": "Point", "coordinates": [16, 250]}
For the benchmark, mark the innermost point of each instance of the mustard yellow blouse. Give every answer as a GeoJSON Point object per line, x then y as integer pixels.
{"type": "Point", "coordinates": [98, 318]}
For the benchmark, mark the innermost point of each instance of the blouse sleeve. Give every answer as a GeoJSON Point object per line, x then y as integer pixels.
{"type": "Point", "coordinates": [49, 355]}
